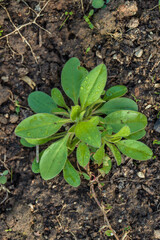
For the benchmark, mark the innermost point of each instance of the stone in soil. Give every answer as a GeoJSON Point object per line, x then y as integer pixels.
{"type": "Point", "coordinates": [127, 9]}
{"type": "Point", "coordinates": [13, 118]}
{"type": "Point", "coordinates": [157, 126]}
{"type": "Point", "coordinates": [4, 95]}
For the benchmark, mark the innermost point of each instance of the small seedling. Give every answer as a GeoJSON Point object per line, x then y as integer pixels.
{"type": "Point", "coordinates": [87, 19]}
{"type": "Point", "coordinates": [135, 99]}
{"type": "Point", "coordinates": [99, 122]}
{"type": "Point", "coordinates": [17, 105]}
{"type": "Point", "coordinates": [109, 233]}
{"type": "Point", "coordinates": [67, 14]}
{"type": "Point", "coordinates": [156, 142]}
{"type": "Point", "coordinates": [3, 178]}
{"type": "Point", "coordinates": [88, 49]}
{"type": "Point", "coordinates": [1, 31]}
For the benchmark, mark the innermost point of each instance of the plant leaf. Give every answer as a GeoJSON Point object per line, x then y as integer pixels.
{"type": "Point", "coordinates": [71, 78]}
{"type": "Point", "coordinates": [115, 152]}
{"type": "Point", "coordinates": [75, 111]}
{"type": "Point", "coordinates": [85, 176]}
{"type": "Point", "coordinates": [123, 132]}
{"type": "Point", "coordinates": [83, 154]}
{"type": "Point", "coordinates": [53, 159]}
{"type": "Point", "coordinates": [58, 98]}
{"type": "Point", "coordinates": [35, 165]}
{"type": "Point", "coordinates": [93, 85]}
{"type": "Point", "coordinates": [117, 104]}
{"type": "Point", "coordinates": [41, 125]}
{"type": "Point", "coordinates": [3, 179]}
{"type": "Point", "coordinates": [95, 120]}
{"type": "Point", "coordinates": [97, 3]}
{"type": "Point", "coordinates": [38, 141]}
{"type": "Point", "coordinates": [60, 111]}
{"type": "Point", "coordinates": [115, 92]}
{"type": "Point", "coordinates": [5, 173]}
{"type": "Point", "coordinates": [135, 149]}
{"type": "Point", "coordinates": [107, 165]}
{"type": "Point", "coordinates": [99, 155]}
{"type": "Point", "coordinates": [134, 120]}
{"type": "Point", "coordinates": [41, 102]}
{"type": "Point", "coordinates": [87, 132]}
{"type": "Point", "coordinates": [71, 175]}
{"type": "Point", "coordinates": [138, 135]}
{"type": "Point", "coordinates": [26, 144]}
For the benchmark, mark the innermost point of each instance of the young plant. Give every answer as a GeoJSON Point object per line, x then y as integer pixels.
{"type": "Point", "coordinates": [3, 178]}
{"type": "Point", "coordinates": [87, 19]}
{"type": "Point", "coordinates": [67, 14]}
{"type": "Point", "coordinates": [98, 122]}
{"type": "Point", "coordinates": [1, 31]}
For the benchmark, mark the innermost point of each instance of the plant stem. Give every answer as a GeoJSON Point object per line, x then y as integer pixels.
{"type": "Point", "coordinates": [37, 153]}
{"type": "Point", "coordinates": [102, 209]}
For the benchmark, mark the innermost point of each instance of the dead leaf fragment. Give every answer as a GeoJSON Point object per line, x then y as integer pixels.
{"type": "Point", "coordinates": [29, 81]}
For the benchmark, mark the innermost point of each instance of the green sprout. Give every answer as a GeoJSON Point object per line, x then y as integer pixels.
{"type": "Point", "coordinates": [67, 14]}
{"type": "Point", "coordinates": [87, 19]}
{"type": "Point", "coordinates": [1, 31]}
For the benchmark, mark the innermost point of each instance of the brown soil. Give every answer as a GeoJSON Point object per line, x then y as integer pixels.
{"type": "Point", "coordinates": [128, 42]}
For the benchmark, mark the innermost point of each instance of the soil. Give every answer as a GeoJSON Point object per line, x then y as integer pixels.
{"type": "Point", "coordinates": [126, 38]}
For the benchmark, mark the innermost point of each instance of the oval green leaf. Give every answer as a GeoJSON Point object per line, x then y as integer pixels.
{"type": "Point", "coordinates": [26, 144]}
{"type": "Point", "coordinates": [107, 165]}
{"type": "Point", "coordinates": [3, 179]}
{"type": "Point", "coordinates": [97, 3]}
{"type": "Point", "coordinates": [41, 125]}
{"type": "Point", "coordinates": [115, 152]}
{"type": "Point", "coordinates": [99, 155]}
{"type": "Point", "coordinates": [117, 104]}
{"type": "Point", "coordinates": [70, 175]}
{"type": "Point", "coordinates": [115, 92]}
{"type": "Point", "coordinates": [71, 78]}
{"type": "Point", "coordinates": [5, 172]}
{"type": "Point", "coordinates": [135, 149]}
{"type": "Point", "coordinates": [41, 102]}
{"type": "Point", "coordinates": [123, 132]}
{"type": "Point", "coordinates": [83, 154]}
{"type": "Point", "coordinates": [138, 135]}
{"type": "Point", "coordinates": [87, 132]}
{"type": "Point", "coordinates": [58, 97]}
{"type": "Point", "coordinates": [75, 111]}
{"type": "Point", "coordinates": [53, 159]}
{"type": "Point", "coordinates": [134, 120]}
{"type": "Point", "coordinates": [93, 85]}
{"type": "Point", "coordinates": [35, 165]}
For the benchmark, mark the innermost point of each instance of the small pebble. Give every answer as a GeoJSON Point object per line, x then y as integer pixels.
{"type": "Point", "coordinates": [148, 106]}
{"type": "Point", "coordinates": [133, 23]}
{"type": "Point", "coordinates": [5, 78]}
{"type": "Point", "coordinates": [157, 126]}
{"type": "Point", "coordinates": [157, 85]}
{"type": "Point", "coordinates": [6, 115]}
{"type": "Point", "coordinates": [139, 53]}
{"type": "Point", "coordinates": [13, 118]}
{"type": "Point", "coordinates": [127, 9]}
{"type": "Point", "coordinates": [157, 234]}
{"type": "Point", "coordinates": [140, 175]}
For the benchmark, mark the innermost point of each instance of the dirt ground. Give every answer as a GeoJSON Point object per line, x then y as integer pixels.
{"type": "Point", "coordinates": [127, 39]}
